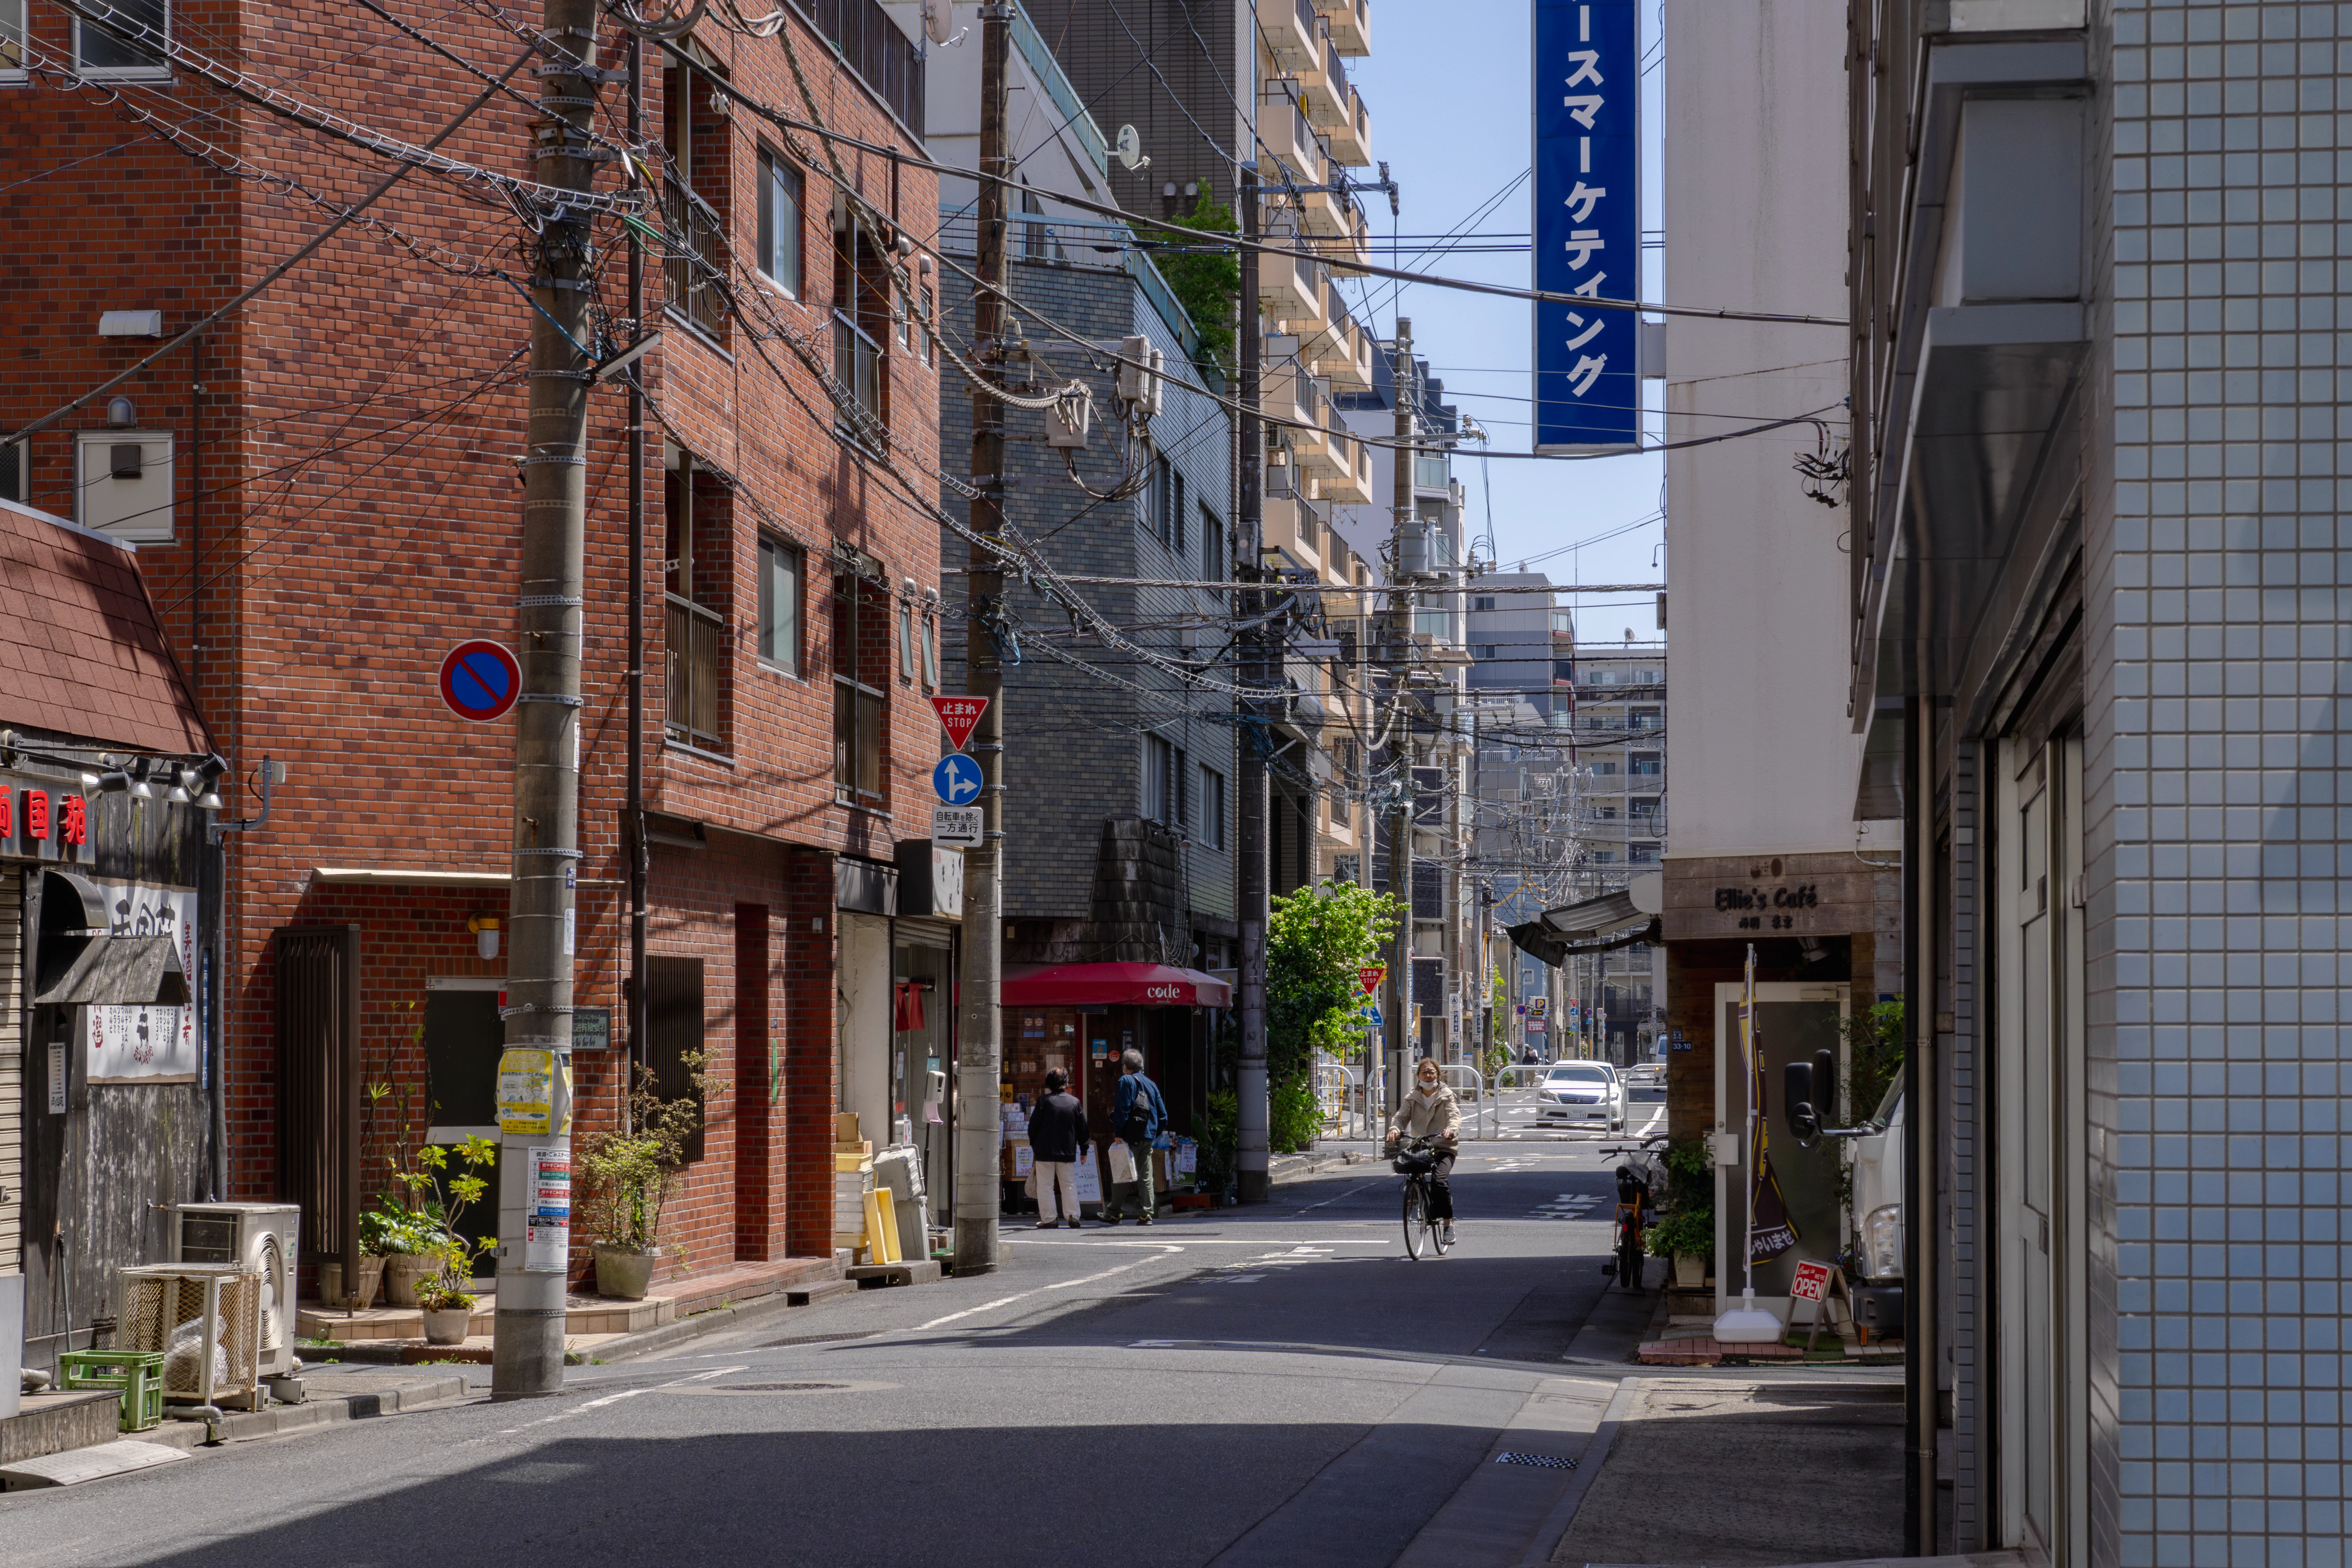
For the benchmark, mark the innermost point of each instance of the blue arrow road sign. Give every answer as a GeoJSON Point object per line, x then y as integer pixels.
{"type": "Point", "coordinates": [955, 780]}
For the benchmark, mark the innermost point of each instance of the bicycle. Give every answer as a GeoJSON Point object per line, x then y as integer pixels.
{"type": "Point", "coordinates": [1637, 1182]}
{"type": "Point", "coordinates": [1415, 1158]}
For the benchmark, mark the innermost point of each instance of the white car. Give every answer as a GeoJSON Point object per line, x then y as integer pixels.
{"type": "Point", "coordinates": [1582, 1094]}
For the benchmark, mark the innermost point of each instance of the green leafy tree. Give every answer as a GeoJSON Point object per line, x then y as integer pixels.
{"type": "Point", "coordinates": [1317, 938]}
{"type": "Point", "coordinates": [1207, 283]}
{"type": "Point", "coordinates": [1875, 1050]}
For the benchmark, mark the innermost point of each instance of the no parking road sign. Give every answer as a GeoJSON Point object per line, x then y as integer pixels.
{"type": "Point", "coordinates": [480, 680]}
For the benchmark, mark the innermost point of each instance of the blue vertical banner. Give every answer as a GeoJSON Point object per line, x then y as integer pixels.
{"type": "Point", "coordinates": [1588, 223]}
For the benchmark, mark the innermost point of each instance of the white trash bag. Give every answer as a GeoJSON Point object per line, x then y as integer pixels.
{"type": "Point", "coordinates": [183, 1357]}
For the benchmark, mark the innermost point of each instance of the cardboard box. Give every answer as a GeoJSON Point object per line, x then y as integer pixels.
{"type": "Point", "coordinates": [845, 1128]}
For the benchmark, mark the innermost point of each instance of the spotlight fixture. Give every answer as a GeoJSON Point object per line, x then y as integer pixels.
{"type": "Point", "coordinates": [206, 788]}
{"type": "Point", "coordinates": [139, 788]}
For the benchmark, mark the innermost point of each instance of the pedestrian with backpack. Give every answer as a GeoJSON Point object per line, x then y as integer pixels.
{"type": "Point", "coordinates": [1137, 1115]}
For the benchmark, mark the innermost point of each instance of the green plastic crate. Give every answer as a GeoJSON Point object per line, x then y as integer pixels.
{"type": "Point", "coordinates": [136, 1375]}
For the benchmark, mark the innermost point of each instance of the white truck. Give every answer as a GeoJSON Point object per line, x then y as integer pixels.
{"type": "Point", "coordinates": [1878, 1210]}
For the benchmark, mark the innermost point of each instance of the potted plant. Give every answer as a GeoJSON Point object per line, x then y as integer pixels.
{"type": "Point", "coordinates": [1687, 1233]}
{"type": "Point", "coordinates": [451, 1260]}
{"type": "Point", "coordinates": [625, 1177]}
{"type": "Point", "coordinates": [402, 1238]}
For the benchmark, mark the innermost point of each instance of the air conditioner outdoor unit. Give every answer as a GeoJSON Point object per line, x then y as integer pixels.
{"type": "Point", "coordinates": [260, 1238]}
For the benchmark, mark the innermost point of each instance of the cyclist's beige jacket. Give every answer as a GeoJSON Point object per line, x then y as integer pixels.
{"type": "Point", "coordinates": [1437, 1116]}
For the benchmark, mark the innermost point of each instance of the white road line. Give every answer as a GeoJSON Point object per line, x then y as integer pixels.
{"type": "Point", "coordinates": [615, 1399]}
{"type": "Point", "coordinates": [1351, 1193]}
{"type": "Point", "coordinates": [1167, 1249]}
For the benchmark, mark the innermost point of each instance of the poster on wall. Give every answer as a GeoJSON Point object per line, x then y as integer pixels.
{"type": "Point", "coordinates": [140, 1045]}
{"type": "Point", "coordinates": [126, 1043]}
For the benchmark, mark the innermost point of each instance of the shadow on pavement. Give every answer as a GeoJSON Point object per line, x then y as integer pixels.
{"type": "Point", "coordinates": [1022, 1495]}
{"type": "Point", "coordinates": [1794, 1472]}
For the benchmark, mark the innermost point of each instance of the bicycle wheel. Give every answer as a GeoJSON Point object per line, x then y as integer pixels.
{"type": "Point", "coordinates": [1437, 1236]}
{"type": "Point", "coordinates": [1629, 1256]}
{"type": "Point", "coordinates": [1413, 1226]}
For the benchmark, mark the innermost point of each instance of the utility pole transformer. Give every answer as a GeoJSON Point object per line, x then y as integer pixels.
{"type": "Point", "coordinates": [1253, 1114]}
{"type": "Point", "coordinates": [534, 1166]}
{"type": "Point", "coordinates": [1399, 639]}
{"type": "Point", "coordinates": [979, 1038]}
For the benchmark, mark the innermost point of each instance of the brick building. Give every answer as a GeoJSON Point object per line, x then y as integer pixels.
{"type": "Point", "coordinates": [323, 491]}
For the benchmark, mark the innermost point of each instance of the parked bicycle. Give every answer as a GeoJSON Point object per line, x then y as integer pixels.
{"type": "Point", "coordinates": [1641, 1183]}
{"type": "Point", "coordinates": [1415, 1158]}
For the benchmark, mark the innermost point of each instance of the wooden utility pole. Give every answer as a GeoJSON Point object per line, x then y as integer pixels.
{"type": "Point", "coordinates": [979, 1038]}
{"type": "Point", "coordinates": [1253, 1115]}
{"type": "Point", "coordinates": [534, 1166]}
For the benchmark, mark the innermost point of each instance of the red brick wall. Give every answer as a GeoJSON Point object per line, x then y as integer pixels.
{"type": "Point", "coordinates": [349, 510]}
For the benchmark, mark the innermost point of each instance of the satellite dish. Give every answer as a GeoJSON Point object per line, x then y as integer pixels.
{"type": "Point", "coordinates": [938, 16]}
{"type": "Point", "coordinates": [1129, 148]}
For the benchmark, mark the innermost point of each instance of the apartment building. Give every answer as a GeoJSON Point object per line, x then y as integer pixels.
{"type": "Point", "coordinates": [2097, 639]}
{"type": "Point", "coordinates": [322, 492]}
{"type": "Point", "coordinates": [1121, 774]}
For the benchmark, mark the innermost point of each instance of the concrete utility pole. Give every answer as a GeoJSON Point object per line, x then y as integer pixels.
{"type": "Point", "coordinates": [1253, 1116]}
{"type": "Point", "coordinates": [633, 830]}
{"type": "Point", "coordinates": [534, 1167]}
{"type": "Point", "coordinates": [979, 1039]}
{"type": "Point", "coordinates": [1401, 727]}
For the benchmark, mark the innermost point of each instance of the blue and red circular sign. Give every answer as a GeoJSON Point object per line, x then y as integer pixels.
{"type": "Point", "coordinates": [480, 680]}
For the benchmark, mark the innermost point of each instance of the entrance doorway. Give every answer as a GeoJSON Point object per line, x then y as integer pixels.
{"type": "Point", "coordinates": [1793, 1022]}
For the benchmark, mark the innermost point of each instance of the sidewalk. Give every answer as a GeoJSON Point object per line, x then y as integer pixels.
{"type": "Point", "coordinates": [1796, 1470]}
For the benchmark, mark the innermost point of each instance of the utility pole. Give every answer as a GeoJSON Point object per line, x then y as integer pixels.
{"type": "Point", "coordinates": [1401, 727]}
{"type": "Point", "coordinates": [979, 1039]}
{"type": "Point", "coordinates": [534, 1166]}
{"type": "Point", "coordinates": [633, 830]}
{"type": "Point", "coordinates": [1253, 1115]}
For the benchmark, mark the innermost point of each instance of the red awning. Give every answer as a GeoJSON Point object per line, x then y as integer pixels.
{"type": "Point", "coordinates": [1130, 984]}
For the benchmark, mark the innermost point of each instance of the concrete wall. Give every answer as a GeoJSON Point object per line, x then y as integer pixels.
{"type": "Point", "coordinates": [1755, 219]}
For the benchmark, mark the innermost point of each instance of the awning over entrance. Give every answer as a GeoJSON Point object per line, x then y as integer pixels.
{"type": "Point", "coordinates": [1112, 984]}
{"type": "Point", "coordinates": [1586, 926]}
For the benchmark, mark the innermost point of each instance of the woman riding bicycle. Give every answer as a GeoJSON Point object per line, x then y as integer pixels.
{"type": "Point", "coordinates": [1431, 1112]}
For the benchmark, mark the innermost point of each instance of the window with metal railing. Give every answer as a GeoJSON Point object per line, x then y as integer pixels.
{"type": "Point", "coordinates": [695, 589]}
{"type": "Point", "coordinates": [857, 366]}
{"type": "Point", "coordinates": [696, 636]}
{"type": "Point", "coordinates": [693, 291]}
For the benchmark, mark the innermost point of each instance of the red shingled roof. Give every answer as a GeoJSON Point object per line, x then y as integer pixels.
{"type": "Point", "coordinates": [81, 652]}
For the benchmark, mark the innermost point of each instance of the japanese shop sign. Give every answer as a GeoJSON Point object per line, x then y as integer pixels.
{"type": "Point", "coordinates": [1588, 223]}
{"type": "Point", "coordinates": [140, 1045]}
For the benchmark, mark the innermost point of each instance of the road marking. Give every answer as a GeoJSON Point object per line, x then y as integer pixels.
{"type": "Point", "coordinates": [1351, 1193]}
{"type": "Point", "coordinates": [616, 1399]}
{"type": "Point", "coordinates": [1167, 1249]}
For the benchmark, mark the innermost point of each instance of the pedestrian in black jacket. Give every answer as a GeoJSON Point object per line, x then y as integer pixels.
{"type": "Point", "coordinates": [1058, 1142]}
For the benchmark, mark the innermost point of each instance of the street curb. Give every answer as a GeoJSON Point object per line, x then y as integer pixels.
{"type": "Point", "coordinates": [1547, 1535]}
{"type": "Point", "coordinates": [628, 1347]}
{"type": "Point", "coordinates": [319, 1410]}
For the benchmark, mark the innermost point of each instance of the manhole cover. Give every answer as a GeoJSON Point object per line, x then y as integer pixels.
{"type": "Point", "coordinates": [781, 1387]}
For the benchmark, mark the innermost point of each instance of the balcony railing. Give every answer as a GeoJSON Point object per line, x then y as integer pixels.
{"type": "Point", "coordinates": [696, 637]}
{"type": "Point", "coordinates": [693, 292]}
{"type": "Point", "coordinates": [857, 366]}
{"type": "Point", "coordinates": [869, 43]}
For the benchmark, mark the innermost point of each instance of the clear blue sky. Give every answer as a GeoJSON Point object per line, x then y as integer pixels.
{"type": "Point", "coordinates": [1447, 87]}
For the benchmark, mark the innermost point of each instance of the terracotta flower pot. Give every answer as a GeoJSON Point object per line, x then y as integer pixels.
{"type": "Point", "coordinates": [625, 1273]}
{"type": "Point", "coordinates": [401, 1270]}
{"type": "Point", "coordinates": [1690, 1270]}
{"type": "Point", "coordinates": [448, 1325]}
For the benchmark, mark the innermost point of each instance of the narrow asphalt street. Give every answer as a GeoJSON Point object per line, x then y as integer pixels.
{"type": "Point", "coordinates": [1273, 1386]}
